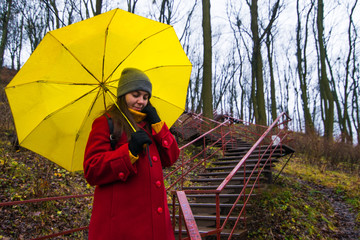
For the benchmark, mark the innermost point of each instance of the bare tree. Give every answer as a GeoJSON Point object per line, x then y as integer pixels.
{"type": "Point", "coordinates": [270, 52]}
{"type": "Point", "coordinates": [242, 53]}
{"type": "Point", "coordinates": [301, 53]}
{"type": "Point", "coordinates": [256, 61]}
{"type": "Point", "coordinates": [327, 99]}
{"type": "Point", "coordinates": [207, 97]}
{"type": "Point", "coordinates": [15, 41]}
{"type": "Point", "coordinates": [35, 22]}
{"type": "Point", "coordinates": [5, 18]}
{"type": "Point", "coordinates": [131, 5]}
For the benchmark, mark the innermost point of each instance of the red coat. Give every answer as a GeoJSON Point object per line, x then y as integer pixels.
{"type": "Point", "coordinates": [130, 201]}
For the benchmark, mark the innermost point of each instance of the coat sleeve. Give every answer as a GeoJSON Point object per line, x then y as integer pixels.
{"type": "Point", "coordinates": [167, 146]}
{"type": "Point", "coordinates": [102, 165]}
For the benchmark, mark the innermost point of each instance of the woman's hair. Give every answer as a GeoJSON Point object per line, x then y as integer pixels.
{"type": "Point", "coordinates": [121, 125]}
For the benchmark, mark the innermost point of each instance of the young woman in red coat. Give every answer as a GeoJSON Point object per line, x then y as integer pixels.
{"type": "Point", "coordinates": [130, 201]}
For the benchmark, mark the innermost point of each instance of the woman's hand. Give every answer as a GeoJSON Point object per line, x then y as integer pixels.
{"type": "Point", "coordinates": [137, 141]}
{"type": "Point", "coordinates": [151, 114]}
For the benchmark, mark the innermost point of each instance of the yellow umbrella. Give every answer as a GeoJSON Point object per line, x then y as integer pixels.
{"type": "Point", "coordinates": [72, 76]}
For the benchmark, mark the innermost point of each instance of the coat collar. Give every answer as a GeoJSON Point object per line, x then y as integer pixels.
{"type": "Point", "coordinates": [138, 116]}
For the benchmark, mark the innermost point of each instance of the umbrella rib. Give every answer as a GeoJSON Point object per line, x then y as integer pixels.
{"type": "Point", "coordinates": [142, 41]}
{"type": "Point", "coordinates": [167, 102]}
{"type": "Point", "coordinates": [105, 44]}
{"type": "Point", "coordinates": [54, 112]}
{"type": "Point", "coordinates": [53, 82]}
{"type": "Point", "coordinates": [88, 114]}
{"type": "Point", "coordinates": [75, 57]}
{"type": "Point", "coordinates": [70, 103]}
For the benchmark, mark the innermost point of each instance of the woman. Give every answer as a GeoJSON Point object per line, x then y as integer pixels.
{"type": "Point", "coordinates": [130, 200]}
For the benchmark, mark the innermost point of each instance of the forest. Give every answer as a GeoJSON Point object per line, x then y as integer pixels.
{"type": "Point", "coordinates": [251, 59]}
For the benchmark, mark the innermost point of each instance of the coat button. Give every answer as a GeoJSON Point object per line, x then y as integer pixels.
{"type": "Point", "coordinates": [158, 184]}
{"type": "Point", "coordinates": [160, 210]}
{"type": "Point", "coordinates": [166, 143]}
{"type": "Point", "coordinates": [121, 175]}
{"type": "Point", "coordinates": [154, 158]}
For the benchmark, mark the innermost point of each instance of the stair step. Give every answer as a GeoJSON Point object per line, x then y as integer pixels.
{"type": "Point", "coordinates": [247, 148]}
{"type": "Point", "coordinates": [225, 173]}
{"type": "Point", "coordinates": [234, 162]}
{"type": "Point", "coordinates": [216, 186]}
{"type": "Point", "coordinates": [210, 208]}
{"type": "Point", "coordinates": [210, 218]}
{"type": "Point", "coordinates": [221, 195]}
{"type": "Point", "coordinates": [234, 179]}
{"type": "Point", "coordinates": [224, 198]}
{"type": "Point", "coordinates": [225, 233]}
{"type": "Point", "coordinates": [213, 205]}
{"type": "Point", "coordinates": [253, 156]}
{"type": "Point", "coordinates": [221, 168]}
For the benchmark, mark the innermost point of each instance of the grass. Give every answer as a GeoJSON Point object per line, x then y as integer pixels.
{"type": "Point", "coordinates": [294, 209]}
{"type": "Point", "coordinates": [348, 185]}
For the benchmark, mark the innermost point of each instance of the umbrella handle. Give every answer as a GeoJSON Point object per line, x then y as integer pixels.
{"type": "Point", "coordinates": [148, 152]}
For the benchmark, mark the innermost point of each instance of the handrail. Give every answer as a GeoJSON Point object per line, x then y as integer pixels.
{"type": "Point", "coordinates": [229, 177]}
{"type": "Point", "coordinates": [37, 200]}
{"type": "Point", "coordinates": [203, 135]}
{"type": "Point", "coordinates": [191, 226]}
{"type": "Point", "coordinates": [236, 168]}
{"type": "Point", "coordinates": [44, 199]}
{"type": "Point", "coordinates": [181, 195]}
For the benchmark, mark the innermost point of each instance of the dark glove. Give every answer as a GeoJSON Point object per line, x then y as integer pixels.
{"type": "Point", "coordinates": [151, 114]}
{"type": "Point", "coordinates": [137, 141]}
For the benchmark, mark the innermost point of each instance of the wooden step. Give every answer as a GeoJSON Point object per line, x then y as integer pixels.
{"type": "Point", "coordinates": [207, 220]}
{"type": "Point", "coordinates": [235, 162]}
{"type": "Point", "coordinates": [225, 173]}
{"type": "Point", "coordinates": [227, 187]}
{"type": "Point", "coordinates": [251, 156]}
{"type": "Point", "coordinates": [238, 234]}
{"type": "Point", "coordinates": [250, 166]}
{"type": "Point", "coordinates": [210, 207]}
{"type": "Point", "coordinates": [220, 180]}
{"type": "Point", "coordinates": [224, 198]}
{"type": "Point", "coordinates": [246, 148]}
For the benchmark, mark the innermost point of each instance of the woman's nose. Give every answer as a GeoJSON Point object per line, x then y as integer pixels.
{"type": "Point", "coordinates": [141, 101]}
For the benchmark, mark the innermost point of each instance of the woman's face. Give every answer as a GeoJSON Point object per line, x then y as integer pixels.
{"type": "Point", "coordinates": [137, 100]}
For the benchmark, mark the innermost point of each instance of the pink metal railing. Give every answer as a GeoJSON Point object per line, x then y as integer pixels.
{"type": "Point", "coordinates": [224, 133]}
{"type": "Point", "coordinates": [266, 140]}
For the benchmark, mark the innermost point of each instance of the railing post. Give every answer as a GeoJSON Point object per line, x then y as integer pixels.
{"type": "Point", "coordinates": [222, 141]}
{"type": "Point", "coordinates": [180, 222]}
{"type": "Point", "coordinates": [218, 234]}
{"type": "Point", "coordinates": [182, 170]}
{"type": "Point", "coordinates": [173, 209]}
{"type": "Point", "coordinates": [204, 152]}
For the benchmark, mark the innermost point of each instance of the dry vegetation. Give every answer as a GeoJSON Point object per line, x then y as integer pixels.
{"type": "Point", "coordinates": [296, 207]}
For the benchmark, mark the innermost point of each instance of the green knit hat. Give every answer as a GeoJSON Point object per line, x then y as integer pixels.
{"type": "Point", "coordinates": [133, 79]}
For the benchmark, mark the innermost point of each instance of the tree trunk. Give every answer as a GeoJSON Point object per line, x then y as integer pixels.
{"type": "Point", "coordinates": [98, 7]}
{"type": "Point", "coordinates": [326, 95]}
{"type": "Point", "coordinates": [302, 68]}
{"type": "Point", "coordinates": [131, 5]}
{"type": "Point", "coordinates": [269, 41]}
{"type": "Point", "coordinates": [257, 94]}
{"type": "Point", "coordinates": [257, 68]}
{"type": "Point", "coordinates": [207, 97]}
{"type": "Point", "coordinates": [5, 22]}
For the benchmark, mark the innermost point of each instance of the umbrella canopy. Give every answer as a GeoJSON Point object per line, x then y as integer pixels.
{"type": "Point", "coordinates": [72, 77]}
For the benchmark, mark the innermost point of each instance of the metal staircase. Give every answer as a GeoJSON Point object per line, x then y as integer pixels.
{"type": "Point", "coordinates": [210, 197]}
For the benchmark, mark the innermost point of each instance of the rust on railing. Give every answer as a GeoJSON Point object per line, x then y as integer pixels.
{"type": "Point", "coordinates": [191, 226]}
{"type": "Point", "coordinates": [224, 133]}
{"type": "Point", "coordinates": [265, 139]}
